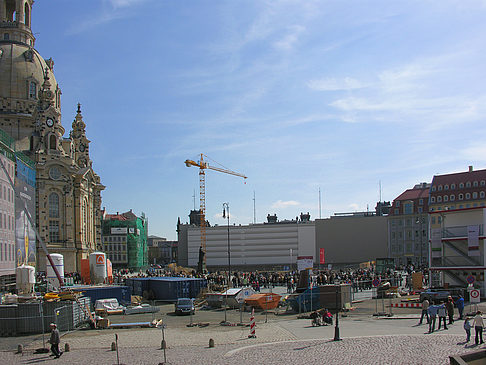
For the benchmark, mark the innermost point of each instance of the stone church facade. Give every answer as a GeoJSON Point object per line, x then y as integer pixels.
{"type": "Point", "coordinates": [68, 191]}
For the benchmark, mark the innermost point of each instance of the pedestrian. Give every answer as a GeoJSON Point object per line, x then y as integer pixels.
{"type": "Point", "coordinates": [467, 328]}
{"type": "Point", "coordinates": [478, 327]}
{"type": "Point", "coordinates": [54, 341]}
{"type": "Point", "coordinates": [425, 311]}
{"type": "Point", "coordinates": [442, 312]}
{"type": "Point", "coordinates": [460, 306]}
{"type": "Point", "coordinates": [450, 309]}
{"type": "Point", "coordinates": [432, 317]}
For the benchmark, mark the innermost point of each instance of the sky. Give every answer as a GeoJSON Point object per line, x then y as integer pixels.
{"type": "Point", "coordinates": [299, 96]}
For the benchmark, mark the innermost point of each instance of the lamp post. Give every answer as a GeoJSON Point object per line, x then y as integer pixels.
{"type": "Point", "coordinates": [226, 214]}
{"type": "Point", "coordinates": [336, 328]}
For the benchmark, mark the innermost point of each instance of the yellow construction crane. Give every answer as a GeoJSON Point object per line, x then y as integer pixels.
{"type": "Point", "coordinates": [203, 165]}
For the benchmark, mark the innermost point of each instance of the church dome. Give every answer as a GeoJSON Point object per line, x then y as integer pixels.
{"type": "Point", "coordinates": [22, 72]}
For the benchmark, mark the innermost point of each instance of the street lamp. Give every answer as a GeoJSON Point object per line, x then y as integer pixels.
{"type": "Point", "coordinates": [336, 328]}
{"type": "Point", "coordinates": [226, 214]}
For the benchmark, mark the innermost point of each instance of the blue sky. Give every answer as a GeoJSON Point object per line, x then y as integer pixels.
{"type": "Point", "coordinates": [297, 95]}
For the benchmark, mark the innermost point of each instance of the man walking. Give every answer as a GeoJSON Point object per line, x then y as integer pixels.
{"type": "Point", "coordinates": [442, 315]}
{"type": "Point", "coordinates": [433, 315]}
{"type": "Point", "coordinates": [54, 341]}
{"type": "Point", "coordinates": [425, 311]}
{"type": "Point", "coordinates": [450, 309]}
{"type": "Point", "coordinates": [460, 306]}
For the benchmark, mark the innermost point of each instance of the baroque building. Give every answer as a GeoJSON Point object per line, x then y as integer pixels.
{"type": "Point", "coordinates": [68, 191]}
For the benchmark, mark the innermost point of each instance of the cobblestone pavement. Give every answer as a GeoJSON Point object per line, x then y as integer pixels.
{"type": "Point", "coordinates": [411, 349]}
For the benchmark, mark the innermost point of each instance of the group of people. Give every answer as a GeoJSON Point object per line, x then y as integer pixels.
{"type": "Point", "coordinates": [445, 310]}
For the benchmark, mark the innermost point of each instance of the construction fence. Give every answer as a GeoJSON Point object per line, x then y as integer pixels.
{"type": "Point", "coordinates": [34, 318]}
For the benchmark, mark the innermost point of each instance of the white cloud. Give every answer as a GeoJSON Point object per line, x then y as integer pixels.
{"type": "Point", "coordinates": [354, 206]}
{"type": "Point", "coordinates": [124, 3]}
{"type": "Point", "coordinates": [333, 84]}
{"type": "Point", "coordinates": [284, 204]}
{"type": "Point", "coordinates": [289, 40]}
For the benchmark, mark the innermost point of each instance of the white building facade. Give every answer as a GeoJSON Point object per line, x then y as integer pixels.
{"type": "Point", "coordinates": [268, 245]}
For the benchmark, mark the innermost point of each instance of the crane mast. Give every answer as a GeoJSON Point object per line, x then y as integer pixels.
{"type": "Point", "coordinates": [203, 165]}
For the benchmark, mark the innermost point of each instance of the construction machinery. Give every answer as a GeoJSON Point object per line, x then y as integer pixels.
{"type": "Point", "coordinates": [203, 165]}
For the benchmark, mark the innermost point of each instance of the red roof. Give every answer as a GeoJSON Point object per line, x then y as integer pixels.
{"type": "Point", "coordinates": [411, 194]}
{"type": "Point", "coordinates": [459, 177]}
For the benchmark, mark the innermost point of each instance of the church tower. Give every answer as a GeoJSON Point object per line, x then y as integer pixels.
{"type": "Point", "coordinates": [68, 191]}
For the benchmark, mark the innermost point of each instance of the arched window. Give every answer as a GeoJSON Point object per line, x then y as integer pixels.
{"type": "Point", "coordinates": [461, 196]}
{"type": "Point", "coordinates": [52, 142]}
{"type": "Point", "coordinates": [54, 231]}
{"type": "Point", "coordinates": [32, 90]}
{"type": "Point", "coordinates": [53, 205]}
{"type": "Point", "coordinates": [27, 15]}
{"type": "Point", "coordinates": [85, 221]}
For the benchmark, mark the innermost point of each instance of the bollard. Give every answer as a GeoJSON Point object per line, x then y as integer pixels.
{"type": "Point", "coordinates": [163, 345]}
{"type": "Point", "coordinates": [211, 342]}
{"type": "Point", "coordinates": [67, 348]}
{"type": "Point", "coordinates": [20, 349]}
{"type": "Point", "coordinates": [113, 346]}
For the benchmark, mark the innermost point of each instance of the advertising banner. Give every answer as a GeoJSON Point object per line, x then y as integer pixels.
{"type": "Point", "coordinates": [305, 262]}
{"type": "Point", "coordinates": [436, 242]}
{"type": "Point", "coordinates": [473, 240]}
{"type": "Point", "coordinates": [119, 230]}
{"type": "Point", "coordinates": [25, 240]}
{"type": "Point", "coordinates": [322, 257]}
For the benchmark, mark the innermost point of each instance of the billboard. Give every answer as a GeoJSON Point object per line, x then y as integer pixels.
{"type": "Point", "coordinates": [119, 230]}
{"type": "Point", "coordinates": [25, 240]}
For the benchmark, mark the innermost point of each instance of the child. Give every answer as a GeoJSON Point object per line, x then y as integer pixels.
{"type": "Point", "coordinates": [467, 328]}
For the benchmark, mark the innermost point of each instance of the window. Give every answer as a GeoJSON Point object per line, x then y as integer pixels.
{"type": "Point", "coordinates": [461, 186]}
{"type": "Point", "coordinates": [432, 220]}
{"type": "Point", "coordinates": [446, 187]}
{"type": "Point", "coordinates": [53, 205]}
{"type": "Point", "coordinates": [439, 188]}
{"type": "Point", "coordinates": [468, 184]}
{"type": "Point", "coordinates": [482, 183]}
{"type": "Point", "coordinates": [475, 195]}
{"type": "Point", "coordinates": [432, 199]}
{"type": "Point", "coordinates": [27, 15]}
{"type": "Point", "coordinates": [475, 184]}
{"type": "Point", "coordinates": [453, 186]}
{"type": "Point", "coordinates": [468, 196]}
{"type": "Point", "coordinates": [397, 203]}
{"type": "Point", "coordinates": [6, 37]}
{"type": "Point", "coordinates": [32, 90]}
{"type": "Point", "coordinates": [461, 196]}
{"type": "Point", "coordinates": [420, 209]}
{"type": "Point", "coordinates": [446, 198]}
{"type": "Point", "coordinates": [421, 202]}
{"type": "Point", "coordinates": [452, 197]}
{"type": "Point", "coordinates": [52, 142]}
{"type": "Point", "coordinates": [408, 208]}
{"type": "Point", "coordinates": [439, 199]}
{"type": "Point", "coordinates": [481, 194]}
{"type": "Point", "coordinates": [439, 219]}
{"type": "Point", "coordinates": [433, 188]}
{"type": "Point", "coordinates": [53, 231]}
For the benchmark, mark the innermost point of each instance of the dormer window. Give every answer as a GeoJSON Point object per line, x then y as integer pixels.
{"type": "Point", "coordinates": [32, 90]}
